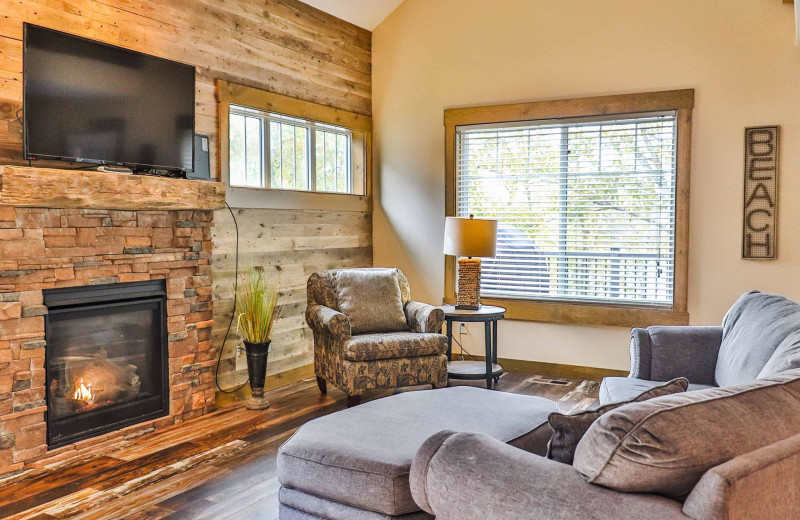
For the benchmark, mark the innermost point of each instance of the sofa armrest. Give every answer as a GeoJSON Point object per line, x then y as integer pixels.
{"type": "Point", "coordinates": [761, 484]}
{"type": "Point", "coordinates": [422, 317]}
{"type": "Point", "coordinates": [664, 353]}
{"type": "Point", "coordinates": [470, 476]}
{"type": "Point", "coordinates": [325, 320]}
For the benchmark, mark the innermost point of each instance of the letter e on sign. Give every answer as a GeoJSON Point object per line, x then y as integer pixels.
{"type": "Point", "coordinates": [759, 233]}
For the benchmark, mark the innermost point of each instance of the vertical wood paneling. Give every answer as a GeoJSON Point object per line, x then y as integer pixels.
{"type": "Point", "coordinates": [283, 46]}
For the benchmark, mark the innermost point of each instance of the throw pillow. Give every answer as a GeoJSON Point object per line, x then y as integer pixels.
{"type": "Point", "coordinates": [569, 429]}
{"type": "Point", "coordinates": [371, 299]}
{"type": "Point", "coordinates": [664, 446]}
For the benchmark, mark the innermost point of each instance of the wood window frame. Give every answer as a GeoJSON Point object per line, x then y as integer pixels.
{"type": "Point", "coordinates": [680, 101]}
{"type": "Point", "coordinates": [262, 100]}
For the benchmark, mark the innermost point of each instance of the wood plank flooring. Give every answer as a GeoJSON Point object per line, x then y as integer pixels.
{"type": "Point", "coordinates": [217, 467]}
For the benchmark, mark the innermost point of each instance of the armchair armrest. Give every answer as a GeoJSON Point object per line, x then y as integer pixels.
{"type": "Point", "coordinates": [760, 484]}
{"type": "Point", "coordinates": [422, 317]}
{"type": "Point", "coordinates": [470, 476]}
{"type": "Point", "coordinates": [328, 321]}
{"type": "Point", "coordinates": [664, 353]}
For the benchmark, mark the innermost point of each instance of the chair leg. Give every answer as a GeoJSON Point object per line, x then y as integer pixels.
{"type": "Point", "coordinates": [353, 400]}
{"type": "Point", "coordinates": [323, 385]}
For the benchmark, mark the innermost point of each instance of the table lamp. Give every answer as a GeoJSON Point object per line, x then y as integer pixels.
{"type": "Point", "coordinates": [469, 239]}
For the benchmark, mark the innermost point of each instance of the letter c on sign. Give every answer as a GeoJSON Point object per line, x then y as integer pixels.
{"type": "Point", "coordinates": [750, 216]}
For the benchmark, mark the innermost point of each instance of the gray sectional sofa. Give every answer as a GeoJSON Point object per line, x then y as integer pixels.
{"type": "Point", "coordinates": [727, 449]}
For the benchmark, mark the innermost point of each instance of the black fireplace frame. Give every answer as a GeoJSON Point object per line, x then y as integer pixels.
{"type": "Point", "coordinates": [108, 295]}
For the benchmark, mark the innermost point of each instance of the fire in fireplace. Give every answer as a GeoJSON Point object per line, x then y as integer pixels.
{"type": "Point", "coordinates": [106, 358]}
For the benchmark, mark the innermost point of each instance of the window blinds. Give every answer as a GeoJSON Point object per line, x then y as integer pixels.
{"type": "Point", "coordinates": [586, 207]}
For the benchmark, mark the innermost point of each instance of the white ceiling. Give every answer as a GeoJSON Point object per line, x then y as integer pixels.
{"type": "Point", "coordinates": [363, 13]}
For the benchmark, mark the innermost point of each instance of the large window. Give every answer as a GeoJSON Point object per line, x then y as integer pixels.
{"type": "Point", "coordinates": [287, 153]}
{"type": "Point", "coordinates": [588, 209]}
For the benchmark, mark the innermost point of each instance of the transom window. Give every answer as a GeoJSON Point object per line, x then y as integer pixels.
{"type": "Point", "coordinates": [586, 206]}
{"type": "Point", "coordinates": [275, 151]}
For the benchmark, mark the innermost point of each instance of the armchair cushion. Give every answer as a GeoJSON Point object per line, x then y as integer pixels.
{"type": "Point", "coordinates": [394, 345]}
{"type": "Point", "coordinates": [372, 299]}
{"type": "Point", "coordinates": [752, 330]}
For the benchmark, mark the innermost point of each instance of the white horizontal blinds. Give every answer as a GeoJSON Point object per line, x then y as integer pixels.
{"type": "Point", "coordinates": [586, 206]}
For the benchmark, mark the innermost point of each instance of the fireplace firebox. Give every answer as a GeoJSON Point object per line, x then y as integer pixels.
{"type": "Point", "coordinates": [106, 358]}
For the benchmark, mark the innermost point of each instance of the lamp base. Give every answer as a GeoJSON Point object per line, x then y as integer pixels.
{"type": "Point", "coordinates": [469, 284]}
{"type": "Point", "coordinates": [467, 307]}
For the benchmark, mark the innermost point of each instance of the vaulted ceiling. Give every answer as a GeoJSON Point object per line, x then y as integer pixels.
{"type": "Point", "coordinates": [364, 13]}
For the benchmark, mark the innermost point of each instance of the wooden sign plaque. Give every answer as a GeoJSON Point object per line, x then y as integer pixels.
{"type": "Point", "coordinates": [759, 226]}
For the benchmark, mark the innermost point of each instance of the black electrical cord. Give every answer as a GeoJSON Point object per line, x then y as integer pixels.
{"type": "Point", "coordinates": [463, 350]}
{"type": "Point", "coordinates": [233, 312]}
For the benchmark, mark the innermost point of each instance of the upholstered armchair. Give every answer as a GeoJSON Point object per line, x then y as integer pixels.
{"type": "Point", "coordinates": [368, 334]}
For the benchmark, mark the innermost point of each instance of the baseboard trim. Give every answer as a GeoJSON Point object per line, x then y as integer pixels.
{"type": "Point", "coordinates": [555, 370]}
{"type": "Point", "coordinates": [272, 382]}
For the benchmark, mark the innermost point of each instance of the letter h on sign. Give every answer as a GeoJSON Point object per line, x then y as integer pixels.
{"type": "Point", "coordinates": [760, 192]}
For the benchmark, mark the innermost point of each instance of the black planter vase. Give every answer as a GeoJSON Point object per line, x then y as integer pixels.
{"type": "Point", "coordinates": [257, 370]}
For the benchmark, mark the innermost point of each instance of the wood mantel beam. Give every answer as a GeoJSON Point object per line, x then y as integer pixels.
{"type": "Point", "coordinates": [51, 188]}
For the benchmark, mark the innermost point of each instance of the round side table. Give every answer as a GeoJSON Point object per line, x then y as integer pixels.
{"type": "Point", "coordinates": [475, 370]}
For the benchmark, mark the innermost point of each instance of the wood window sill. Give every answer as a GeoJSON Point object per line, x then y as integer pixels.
{"type": "Point", "coordinates": [263, 198]}
{"type": "Point", "coordinates": [587, 313]}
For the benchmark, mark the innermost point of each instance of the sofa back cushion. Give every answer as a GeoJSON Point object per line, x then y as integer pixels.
{"type": "Point", "coordinates": [665, 445]}
{"type": "Point", "coordinates": [786, 356]}
{"type": "Point", "coordinates": [372, 299]}
{"type": "Point", "coordinates": [751, 332]}
{"type": "Point", "coordinates": [569, 429]}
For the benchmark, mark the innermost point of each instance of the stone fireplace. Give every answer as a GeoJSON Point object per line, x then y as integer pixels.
{"type": "Point", "coordinates": [118, 298]}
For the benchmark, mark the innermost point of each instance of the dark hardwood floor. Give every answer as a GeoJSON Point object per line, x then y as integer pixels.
{"type": "Point", "coordinates": [221, 466]}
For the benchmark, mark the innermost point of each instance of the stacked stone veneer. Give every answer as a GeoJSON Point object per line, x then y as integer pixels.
{"type": "Point", "coordinates": [47, 248]}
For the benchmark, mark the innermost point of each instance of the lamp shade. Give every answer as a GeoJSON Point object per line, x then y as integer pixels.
{"type": "Point", "coordinates": [470, 237]}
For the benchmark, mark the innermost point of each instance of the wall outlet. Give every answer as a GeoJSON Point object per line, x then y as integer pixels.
{"type": "Point", "coordinates": [241, 358]}
{"type": "Point", "coordinates": [462, 328]}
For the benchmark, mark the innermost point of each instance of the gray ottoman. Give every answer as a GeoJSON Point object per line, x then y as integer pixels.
{"type": "Point", "coordinates": [354, 464]}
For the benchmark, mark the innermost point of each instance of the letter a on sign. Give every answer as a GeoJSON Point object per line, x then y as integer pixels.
{"type": "Point", "coordinates": [759, 232]}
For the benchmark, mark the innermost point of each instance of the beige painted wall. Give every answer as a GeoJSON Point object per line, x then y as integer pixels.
{"type": "Point", "coordinates": [738, 55]}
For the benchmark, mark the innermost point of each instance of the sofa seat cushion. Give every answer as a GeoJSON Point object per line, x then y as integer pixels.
{"type": "Point", "coordinates": [372, 299]}
{"type": "Point", "coordinates": [362, 456]}
{"type": "Point", "coordinates": [621, 389]}
{"type": "Point", "coordinates": [752, 330]}
{"type": "Point", "coordinates": [665, 445]}
{"type": "Point", "coordinates": [394, 345]}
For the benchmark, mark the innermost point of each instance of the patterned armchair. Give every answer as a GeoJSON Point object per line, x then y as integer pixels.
{"type": "Point", "coordinates": [368, 334]}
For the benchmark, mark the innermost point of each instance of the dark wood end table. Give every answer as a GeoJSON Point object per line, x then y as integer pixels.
{"type": "Point", "coordinates": [474, 370]}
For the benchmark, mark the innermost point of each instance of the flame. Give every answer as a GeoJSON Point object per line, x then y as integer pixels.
{"type": "Point", "coordinates": [84, 393]}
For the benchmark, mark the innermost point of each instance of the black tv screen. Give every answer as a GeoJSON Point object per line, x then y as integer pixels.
{"type": "Point", "coordinates": [88, 101]}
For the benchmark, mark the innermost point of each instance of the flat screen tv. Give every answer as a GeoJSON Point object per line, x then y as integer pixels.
{"type": "Point", "coordinates": [85, 101]}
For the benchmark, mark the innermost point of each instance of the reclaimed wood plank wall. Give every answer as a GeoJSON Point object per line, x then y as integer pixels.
{"type": "Point", "coordinates": [294, 244]}
{"type": "Point", "coordinates": [283, 46]}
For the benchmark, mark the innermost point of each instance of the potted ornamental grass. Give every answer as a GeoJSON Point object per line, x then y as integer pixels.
{"type": "Point", "coordinates": [256, 308]}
